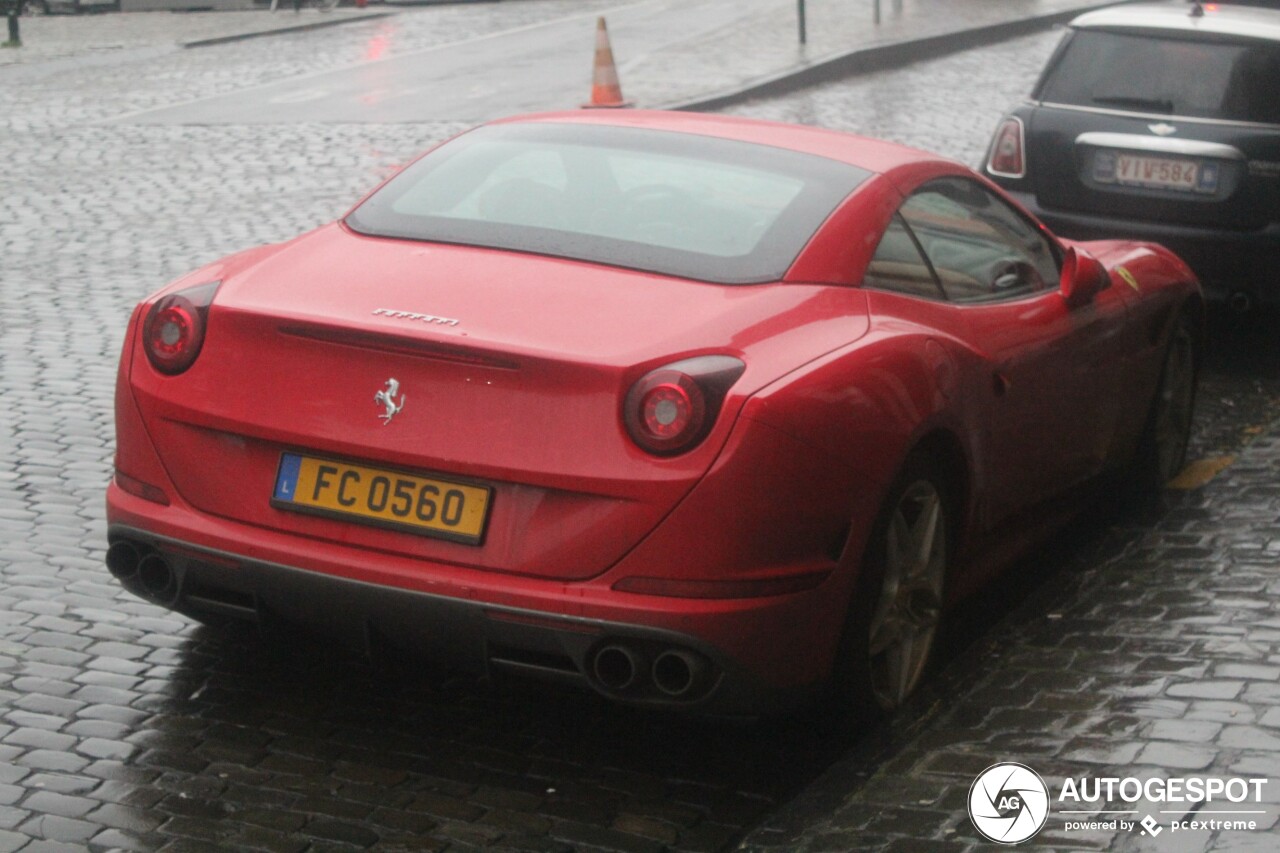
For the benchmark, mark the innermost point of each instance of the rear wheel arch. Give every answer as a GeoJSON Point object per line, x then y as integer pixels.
{"type": "Point", "coordinates": [944, 448]}
{"type": "Point", "coordinates": [937, 458]}
{"type": "Point", "coordinates": [946, 452]}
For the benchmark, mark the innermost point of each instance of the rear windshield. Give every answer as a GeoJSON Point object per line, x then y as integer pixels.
{"type": "Point", "coordinates": [1238, 81]}
{"type": "Point", "coordinates": [671, 203]}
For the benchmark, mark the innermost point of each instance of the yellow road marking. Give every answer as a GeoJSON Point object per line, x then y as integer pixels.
{"type": "Point", "coordinates": [1199, 472]}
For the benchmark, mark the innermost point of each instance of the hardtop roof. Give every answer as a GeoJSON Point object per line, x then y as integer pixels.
{"type": "Point", "coordinates": [1219, 19]}
{"type": "Point", "coordinates": [873, 155]}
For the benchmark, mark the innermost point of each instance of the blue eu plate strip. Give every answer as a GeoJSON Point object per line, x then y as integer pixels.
{"type": "Point", "coordinates": [287, 479]}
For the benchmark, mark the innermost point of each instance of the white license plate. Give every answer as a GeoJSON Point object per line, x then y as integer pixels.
{"type": "Point", "coordinates": [1166, 173]}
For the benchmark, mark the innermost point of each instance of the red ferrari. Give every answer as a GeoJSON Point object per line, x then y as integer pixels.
{"type": "Point", "coordinates": [697, 411]}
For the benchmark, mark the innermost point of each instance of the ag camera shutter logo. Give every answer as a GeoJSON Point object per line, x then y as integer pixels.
{"type": "Point", "coordinates": [1008, 803]}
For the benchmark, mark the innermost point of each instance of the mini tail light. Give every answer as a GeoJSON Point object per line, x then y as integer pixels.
{"type": "Point", "coordinates": [1007, 158]}
{"type": "Point", "coordinates": [173, 331]}
{"type": "Point", "coordinates": [671, 409]}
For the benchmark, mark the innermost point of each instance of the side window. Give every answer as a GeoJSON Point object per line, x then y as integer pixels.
{"type": "Point", "coordinates": [981, 249]}
{"type": "Point", "coordinates": [898, 265]}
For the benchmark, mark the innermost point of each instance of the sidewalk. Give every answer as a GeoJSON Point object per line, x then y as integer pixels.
{"type": "Point", "coordinates": [54, 37]}
{"type": "Point", "coordinates": [761, 55]}
{"type": "Point", "coordinates": [684, 56]}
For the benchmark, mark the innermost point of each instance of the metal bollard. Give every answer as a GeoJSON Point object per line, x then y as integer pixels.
{"type": "Point", "coordinates": [13, 8]}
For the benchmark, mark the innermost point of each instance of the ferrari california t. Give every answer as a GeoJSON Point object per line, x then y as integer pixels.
{"type": "Point", "coordinates": [697, 411]}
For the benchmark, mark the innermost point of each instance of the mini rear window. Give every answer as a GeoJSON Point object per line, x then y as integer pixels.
{"type": "Point", "coordinates": [672, 203]}
{"type": "Point", "coordinates": [1232, 80]}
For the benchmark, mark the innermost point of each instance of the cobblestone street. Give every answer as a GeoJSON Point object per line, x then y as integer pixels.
{"type": "Point", "coordinates": [1150, 653]}
{"type": "Point", "coordinates": [1152, 648]}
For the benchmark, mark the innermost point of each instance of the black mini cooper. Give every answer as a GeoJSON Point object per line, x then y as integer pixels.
{"type": "Point", "coordinates": [1161, 122]}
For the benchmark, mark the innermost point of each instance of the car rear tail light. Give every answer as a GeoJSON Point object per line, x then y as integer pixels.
{"type": "Point", "coordinates": [673, 408]}
{"type": "Point", "coordinates": [1007, 158]}
{"type": "Point", "coordinates": [174, 329]}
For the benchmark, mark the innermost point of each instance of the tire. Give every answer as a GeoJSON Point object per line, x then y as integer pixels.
{"type": "Point", "coordinates": [896, 610]}
{"type": "Point", "coordinates": [1162, 450]}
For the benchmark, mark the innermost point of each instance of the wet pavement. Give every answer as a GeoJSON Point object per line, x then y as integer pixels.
{"type": "Point", "coordinates": [669, 52]}
{"type": "Point", "coordinates": [1151, 646]}
{"type": "Point", "coordinates": [1151, 652]}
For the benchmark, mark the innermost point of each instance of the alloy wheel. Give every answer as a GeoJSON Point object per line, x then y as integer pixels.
{"type": "Point", "coordinates": [906, 617]}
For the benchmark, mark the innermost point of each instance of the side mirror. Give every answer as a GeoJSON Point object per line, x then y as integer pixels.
{"type": "Point", "coordinates": [1083, 276]}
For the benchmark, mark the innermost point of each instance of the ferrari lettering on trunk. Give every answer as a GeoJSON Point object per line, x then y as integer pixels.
{"type": "Point", "coordinates": [410, 315]}
{"type": "Point", "coordinates": [425, 505]}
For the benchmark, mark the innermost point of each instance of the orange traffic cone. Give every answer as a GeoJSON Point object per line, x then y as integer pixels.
{"type": "Point", "coordinates": [606, 91]}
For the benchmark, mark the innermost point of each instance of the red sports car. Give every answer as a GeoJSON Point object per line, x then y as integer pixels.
{"type": "Point", "coordinates": [695, 410]}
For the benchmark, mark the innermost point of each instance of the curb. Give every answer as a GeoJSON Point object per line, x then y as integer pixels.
{"type": "Point", "coordinates": [879, 57]}
{"type": "Point", "coordinates": [316, 25]}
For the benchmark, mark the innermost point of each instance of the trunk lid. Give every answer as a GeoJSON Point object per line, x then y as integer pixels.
{"type": "Point", "coordinates": [509, 369]}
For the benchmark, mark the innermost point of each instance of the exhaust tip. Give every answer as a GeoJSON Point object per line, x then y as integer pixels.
{"type": "Point", "coordinates": [157, 579]}
{"type": "Point", "coordinates": [616, 667]}
{"type": "Point", "coordinates": [122, 560]}
{"type": "Point", "coordinates": [679, 673]}
{"type": "Point", "coordinates": [1241, 302]}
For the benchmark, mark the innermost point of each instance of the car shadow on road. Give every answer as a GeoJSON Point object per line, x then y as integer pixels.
{"type": "Point", "coordinates": [395, 743]}
{"type": "Point", "coordinates": [1239, 395]}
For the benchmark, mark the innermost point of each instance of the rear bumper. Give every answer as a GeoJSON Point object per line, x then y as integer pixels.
{"type": "Point", "coordinates": [641, 650]}
{"type": "Point", "coordinates": [1227, 262]}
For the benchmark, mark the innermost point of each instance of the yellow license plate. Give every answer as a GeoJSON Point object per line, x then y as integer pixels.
{"type": "Point", "coordinates": [425, 505]}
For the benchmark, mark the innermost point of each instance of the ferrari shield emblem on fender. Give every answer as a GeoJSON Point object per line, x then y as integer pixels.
{"type": "Point", "coordinates": [387, 398]}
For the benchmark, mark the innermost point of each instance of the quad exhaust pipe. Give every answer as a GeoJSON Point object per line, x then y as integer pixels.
{"type": "Point", "coordinates": [143, 571]}
{"type": "Point", "coordinates": [678, 673]}
{"type": "Point", "coordinates": [617, 667]}
{"type": "Point", "coordinates": [122, 560]}
{"type": "Point", "coordinates": [672, 673]}
{"type": "Point", "coordinates": [157, 579]}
